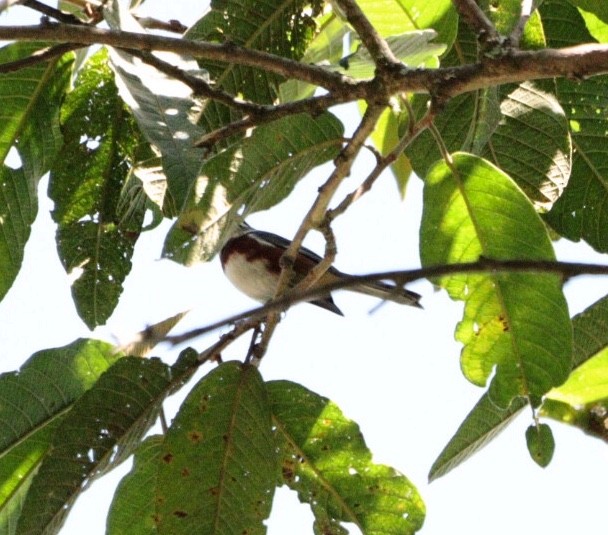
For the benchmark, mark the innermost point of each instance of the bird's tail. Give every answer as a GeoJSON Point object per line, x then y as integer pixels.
{"type": "Point", "coordinates": [389, 292]}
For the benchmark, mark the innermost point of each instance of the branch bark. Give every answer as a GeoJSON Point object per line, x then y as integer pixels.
{"type": "Point", "coordinates": [485, 265]}
{"type": "Point", "coordinates": [577, 62]}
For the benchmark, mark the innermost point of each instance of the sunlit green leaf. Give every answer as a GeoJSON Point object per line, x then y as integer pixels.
{"type": "Point", "coordinates": [252, 175]}
{"type": "Point", "coordinates": [326, 460]}
{"type": "Point", "coordinates": [515, 324]}
{"type": "Point", "coordinates": [32, 404]}
{"type": "Point", "coordinates": [485, 421]}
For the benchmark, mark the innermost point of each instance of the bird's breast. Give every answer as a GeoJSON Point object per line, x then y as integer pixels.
{"type": "Point", "coordinates": [252, 267]}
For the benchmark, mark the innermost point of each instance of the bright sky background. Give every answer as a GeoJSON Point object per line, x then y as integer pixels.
{"type": "Point", "coordinates": [395, 372]}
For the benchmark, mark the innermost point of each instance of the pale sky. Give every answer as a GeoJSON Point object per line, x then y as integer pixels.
{"type": "Point", "coordinates": [395, 372]}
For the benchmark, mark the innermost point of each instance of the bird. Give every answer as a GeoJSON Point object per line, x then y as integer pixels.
{"type": "Point", "coordinates": [250, 259]}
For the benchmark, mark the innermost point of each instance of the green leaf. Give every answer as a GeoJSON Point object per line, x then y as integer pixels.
{"type": "Point", "coordinates": [325, 459]}
{"type": "Point", "coordinates": [252, 175]}
{"type": "Point", "coordinates": [18, 467]}
{"type": "Point", "coordinates": [386, 137]}
{"type": "Point", "coordinates": [541, 444]}
{"type": "Point", "coordinates": [485, 421]}
{"type": "Point", "coordinates": [18, 208]}
{"type": "Point", "coordinates": [133, 509]}
{"type": "Point", "coordinates": [32, 403]}
{"type": "Point", "coordinates": [391, 17]}
{"type": "Point", "coordinates": [413, 49]}
{"type": "Point", "coordinates": [281, 27]}
{"type": "Point", "coordinates": [30, 104]}
{"type": "Point", "coordinates": [94, 235]}
{"type": "Point", "coordinates": [482, 425]}
{"type": "Point", "coordinates": [164, 108]}
{"type": "Point", "coordinates": [31, 99]}
{"type": "Point", "coordinates": [581, 211]}
{"type": "Point", "coordinates": [588, 382]}
{"type": "Point", "coordinates": [514, 323]}
{"type": "Point", "coordinates": [326, 48]}
{"type": "Point", "coordinates": [100, 431]}
{"type": "Point", "coordinates": [531, 143]}
{"type": "Point", "coordinates": [218, 468]}
{"type": "Point", "coordinates": [521, 129]}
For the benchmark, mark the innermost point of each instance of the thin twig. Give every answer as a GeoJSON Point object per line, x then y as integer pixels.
{"type": "Point", "coordinates": [52, 12]}
{"type": "Point", "coordinates": [39, 56]}
{"type": "Point", "coordinates": [414, 129]}
{"type": "Point", "coordinates": [566, 269]}
{"type": "Point", "coordinates": [173, 26]}
{"type": "Point", "coordinates": [376, 45]}
{"type": "Point", "coordinates": [477, 21]}
{"type": "Point", "coordinates": [267, 114]}
{"type": "Point", "coordinates": [315, 217]}
{"type": "Point", "coordinates": [516, 34]}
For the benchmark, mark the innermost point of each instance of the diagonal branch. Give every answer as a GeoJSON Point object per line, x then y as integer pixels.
{"type": "Point", "coordinates": [516, 34]}
{"type": "Point", "coordinates": [40, 56]}
{"type": "Point", "coordinates": [382, 163]}
{"type": "Point", "coordinates": [376, 45]}
{"type": "Point", "coordinates": [477, 20]}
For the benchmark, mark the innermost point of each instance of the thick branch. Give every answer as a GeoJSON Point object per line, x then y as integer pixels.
{"type": "Point", "coordinates": [226, 52]}
{"type": "Point", "coordinates": [576, 62]}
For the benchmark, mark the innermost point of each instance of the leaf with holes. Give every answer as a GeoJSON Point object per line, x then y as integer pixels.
{"type": "Point", "coordinates": [326, 461]}
{"type": "Point", "coordinates": [102, 142]}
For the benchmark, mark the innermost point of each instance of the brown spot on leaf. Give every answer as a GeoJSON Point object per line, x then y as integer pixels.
{"type": "Point", "coordinates": [180, 514]}
{"type": "Point", "coordinates": [185, 472]}
{"type": "Point", "coordinates": [168, 458]}
{"type": "Point", "coordinates": [195, 436]}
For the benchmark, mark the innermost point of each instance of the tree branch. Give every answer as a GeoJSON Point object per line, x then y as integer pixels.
{"type": "Point", "coordinates": [516, 34]}
{"type": "Point", "coordinates": [382, 163]}
{"type": "Point", "coordinates": [476, 19]}
{"type": "Point", "coordinates": [576, 62]}
{"type": "Point", "coordinates": [376, 45]}
{"type": "Point", "coordinates": [267, 114]}
{"type": "Point", "coordinates": [484, 265]}
{"type": "Point", "coordinates": [40, 56]}
{"type": "Point", "coordinates": [226, 52]}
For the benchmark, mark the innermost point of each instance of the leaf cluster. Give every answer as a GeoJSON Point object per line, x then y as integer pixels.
{"type": "Point", "coordinates": [486, 104]}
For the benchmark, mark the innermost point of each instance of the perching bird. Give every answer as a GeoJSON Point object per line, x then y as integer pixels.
{"type": "Point", "coordinates": [250, 260]}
